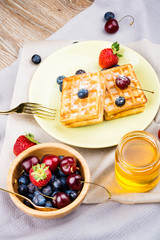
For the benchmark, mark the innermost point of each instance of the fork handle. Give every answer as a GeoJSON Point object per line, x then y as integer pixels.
{"type": "Point", "coordinates": [6, 112]}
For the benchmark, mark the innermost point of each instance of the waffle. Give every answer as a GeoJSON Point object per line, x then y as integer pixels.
{"type": "Point", "coordinates": [76, 112]}
{"type": "Point", "coordinates": [135, 98]}
{"type": "Point", "coordinates": [124, 113]}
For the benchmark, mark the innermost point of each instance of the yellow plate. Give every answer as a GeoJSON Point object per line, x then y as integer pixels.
{"type": "Point", "coordinates": [84, 55]}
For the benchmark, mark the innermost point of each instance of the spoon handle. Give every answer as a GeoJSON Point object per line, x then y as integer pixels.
{"type": "Point", "coordinates": [19, 195]}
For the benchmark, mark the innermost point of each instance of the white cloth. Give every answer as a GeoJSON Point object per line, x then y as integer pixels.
{"type": "Point", "coordinates": [108, 220]}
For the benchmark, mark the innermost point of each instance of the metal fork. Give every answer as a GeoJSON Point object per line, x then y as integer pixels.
{"type": "Point", "coordinates": [34, 109]}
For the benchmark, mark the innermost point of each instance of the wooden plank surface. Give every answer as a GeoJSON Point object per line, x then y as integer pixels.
{"type": "Point", "coordinates": [32, 20]}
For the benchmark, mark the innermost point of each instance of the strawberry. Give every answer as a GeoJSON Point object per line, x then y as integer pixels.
{"type": "Point", "coordinates": [23, 142]}
{"type": "Point", "coordinates": [109, 57]}
{"type": "Point", "coordinates": [40, 175]}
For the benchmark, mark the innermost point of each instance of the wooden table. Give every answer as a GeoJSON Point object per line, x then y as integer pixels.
{"type": "Point", "coordinates": [32, 20]}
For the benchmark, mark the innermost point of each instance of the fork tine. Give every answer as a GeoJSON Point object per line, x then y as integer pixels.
{"type": "Point", "coordinates": [52, 117]}
{"type": "Point", "coordinates": [44, 116]}
{"type": "Point", "coordinates": [37, 112]}
{"type": "Point", "coordinates": [37, 105]}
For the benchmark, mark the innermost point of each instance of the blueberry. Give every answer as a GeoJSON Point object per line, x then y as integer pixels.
{"type": "Point", "coordinates": [31, 188]}
{"type": "Point", "coordinates": [36, 59]}
{"type": "Point", "coordinates": [108, 15]}
{"type": "Point", "coordinates": [22, 189]}
{"type": "Point", "coordinates": [116, 65]}
{"type": "Point", "coordinates": [104, 69]}
{"type": "Point", "coordinates": [47, 190]}
{"type": "Point", "coordinates": [36, 193]}
{"type": "Point", "coordinates": [60, 79]}
{"type": "Point", "coordinates": [60, 157]}
{"type": "Point", "coordinates": [83, 93]}
{"type": "Point", "coordinates": [54, 193]}
{"type": "Point", "coordinates": [72, 194]}
{"type": "Point", "coordinates": [56, 184]}
{"type": "Point", "coordinates": [80, 71]}
{"type": "Point", "coordinates": [120, 101]}
{"type": "Point", "coordinates": [75, 42]}
{"type": "Point", "coordinates": [60, 173]}
{"type": "Point", "coordinates": [109, 67]}
{"type": "Point", "coordinates": [26, 174]}
{"type": "Point", "coordinates": [30, 195]}
{"type": "Point", "coordinates": [63, 182]}
{"type": "Point", "coordinates": [53, 177]}
{"type": "Point", "coordinates": [48, 204]}
{"type": "Point", "coordinates": [39, 200]}
{"type": "Point", "coordinates": [60, 87]}
{"type": "Point", "coordinates": [23, 180]}
{"type": "Point", "coordinates": [27, 203]}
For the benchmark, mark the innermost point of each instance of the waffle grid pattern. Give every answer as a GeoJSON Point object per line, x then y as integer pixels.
{"type": "Point", "coordinates": [74, 109]}
{"type": "Point", "coordinates": [134, 97]}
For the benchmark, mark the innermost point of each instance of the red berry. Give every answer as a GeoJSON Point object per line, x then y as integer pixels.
{"type": "Point", "coordinates": [51, 161]}
{"type": "Point", "coordinates": [23, 142]}
{"type": "Point", "coordinates": [40, 175]}
{"type": "Point", "coordinates": [68, 165]}
{"type": "Point", "coordinates": [159, 134]}
{"type": "Point", "coordinates": [122, 81]}
{"type": "Point", "coordinates": [60, 200]}
{"type": "Point", "coordinates": [107, 59]}
{"type": "Point", "coordinates": [111, 26]}
{"type": "Point", "coordinates": [74, 182]}
{"type": "Point", "coordinates": [28, 162]}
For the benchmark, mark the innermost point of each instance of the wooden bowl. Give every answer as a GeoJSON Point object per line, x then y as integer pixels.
{"type": "Point", "coordinates": [39, 151]}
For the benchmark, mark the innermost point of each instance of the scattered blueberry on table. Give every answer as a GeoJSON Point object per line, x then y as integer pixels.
{"type": "Point", "coordinates": [36, 59]}
{"type": "Point", "coordinates": [109, 15]}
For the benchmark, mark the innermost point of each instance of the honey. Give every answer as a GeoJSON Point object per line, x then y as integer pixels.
{"type": "Point", "coordinates": [137, 161]}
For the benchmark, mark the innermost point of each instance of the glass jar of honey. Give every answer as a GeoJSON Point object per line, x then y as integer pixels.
{"type": "Point", "coordinates": [137, 161]}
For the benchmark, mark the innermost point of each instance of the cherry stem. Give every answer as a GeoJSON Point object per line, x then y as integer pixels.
{"type": "Point", "coordinates": [125, 17]}
{"type": "Point", "coordinates": [143, 89]}
{"type": "Point", "coordinates": [99, 186]}
{"type": "Point", "coordinates": [44, 194]}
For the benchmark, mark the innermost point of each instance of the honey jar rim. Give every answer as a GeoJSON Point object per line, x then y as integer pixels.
{"type": "Point", "coordinates": [138, 134]}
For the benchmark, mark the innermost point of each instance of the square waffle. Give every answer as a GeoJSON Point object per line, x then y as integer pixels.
{"type": "Point", "coordinates": [135, 98]}
{"type": "Point", "coordinates": [76, 112]}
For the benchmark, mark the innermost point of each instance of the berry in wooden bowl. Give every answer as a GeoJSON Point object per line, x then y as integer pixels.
{"type": "Point", "coordinates": [63, 188]}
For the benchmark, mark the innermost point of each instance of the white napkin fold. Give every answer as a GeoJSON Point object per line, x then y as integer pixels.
{"type": "Point", "coordinates": [100, 161]}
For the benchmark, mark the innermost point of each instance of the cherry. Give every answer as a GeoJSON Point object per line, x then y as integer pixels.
{"type": "Point", "coordinates": [51, 161]}
{"type": "Point", "coordinates": [74, 182]}
{"type": "Point", "coordinates": [112, 25]}
{"type": "Point", "coordinates": [60, 200]}
{"type": "Point", "coordinates": [68, 165]}
{"type": "Point", "coordinates": [122, 81]}
{"type": "Point", "coordinates": [28, 162]}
